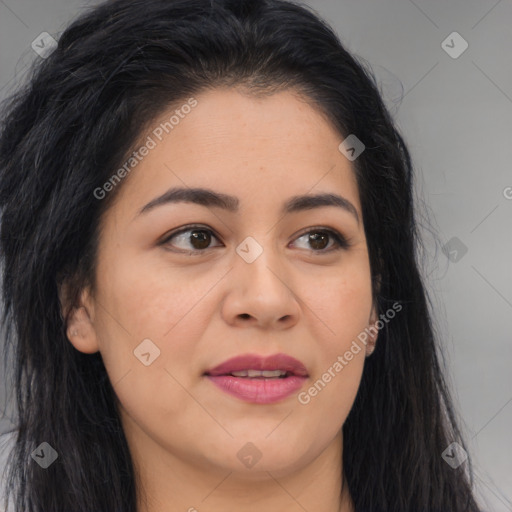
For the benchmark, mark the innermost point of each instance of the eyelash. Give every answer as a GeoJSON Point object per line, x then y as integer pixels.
{"type": "Point", "coordinates": [340, 240]}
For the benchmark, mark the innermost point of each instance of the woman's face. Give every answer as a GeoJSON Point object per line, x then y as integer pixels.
{"type": "Point", "coordinates": [252, 279]}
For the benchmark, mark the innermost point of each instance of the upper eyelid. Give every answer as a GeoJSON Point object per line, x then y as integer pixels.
{"type": "Point", "coordinates": [184, 229]}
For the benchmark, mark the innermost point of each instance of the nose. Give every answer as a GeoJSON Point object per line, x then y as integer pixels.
{"type": "Point", "coordinates": [261, 294]}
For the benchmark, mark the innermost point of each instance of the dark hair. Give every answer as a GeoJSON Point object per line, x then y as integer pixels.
{"type": "Point", "coordinates": [115, 69]}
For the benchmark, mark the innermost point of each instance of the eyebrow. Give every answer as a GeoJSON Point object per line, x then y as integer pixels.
{"type": "Point", "coordinates": [209, 198]}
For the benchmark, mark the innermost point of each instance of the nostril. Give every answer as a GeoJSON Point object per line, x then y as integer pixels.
{"type": "Point", "coordinates": [245, 315]}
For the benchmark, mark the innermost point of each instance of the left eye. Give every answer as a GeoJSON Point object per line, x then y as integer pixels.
{"type": "Point", "coordinates": [318, 239]}
{"type": "Point", "coordinates": [200, 238]}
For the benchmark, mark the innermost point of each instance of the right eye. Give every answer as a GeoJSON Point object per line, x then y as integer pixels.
{"type": "Point", "coordinates": [192, 238]}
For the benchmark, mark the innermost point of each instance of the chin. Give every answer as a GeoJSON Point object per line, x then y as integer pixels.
{"type": "Point", "coordinates": [253, 462]}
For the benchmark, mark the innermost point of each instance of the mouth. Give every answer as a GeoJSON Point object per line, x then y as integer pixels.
{"type": "Point", "coordinates": [257, 379]}
{"type": "Point", "coordinates": [256, 366]}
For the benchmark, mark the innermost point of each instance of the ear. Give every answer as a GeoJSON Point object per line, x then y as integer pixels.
{"type": "Point", "coordinates": [79, 318]}
{"type": "Point", "coordinates": [373, 315]}
{"type": "Point", "coordinates": [372, 327]}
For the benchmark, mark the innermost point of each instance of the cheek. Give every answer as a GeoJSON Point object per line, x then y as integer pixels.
{"type": "Point", "coordinates": [140, 305]}
{"type": "Point", "coordinates": [343, 309]}
{"type": "Point", "coordinates": [341, 303]}
{"type": "Point", "coordinates": [148, 297]}
{"type": "Point", "coordinates": [149, 300]}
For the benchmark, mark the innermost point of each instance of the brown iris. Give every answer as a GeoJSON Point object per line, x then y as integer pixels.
{"type": "Point", "coordinates": [200, 239]}
{"type": "Point", "coordinates": [316, 237]}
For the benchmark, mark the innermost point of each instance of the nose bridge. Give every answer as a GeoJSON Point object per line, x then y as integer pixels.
{"type": "Point", "coordinates": [258, 261]}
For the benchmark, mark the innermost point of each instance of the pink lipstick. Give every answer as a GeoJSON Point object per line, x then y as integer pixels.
{"type": "Point", "coordinates": [257, 379]}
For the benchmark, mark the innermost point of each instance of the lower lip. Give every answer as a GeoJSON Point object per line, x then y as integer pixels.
{"type": "Point", "coordinates": [258, 391]}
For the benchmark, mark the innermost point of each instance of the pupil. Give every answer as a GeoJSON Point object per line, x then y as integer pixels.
{"type": "Point", "coordinates": [202, 240]}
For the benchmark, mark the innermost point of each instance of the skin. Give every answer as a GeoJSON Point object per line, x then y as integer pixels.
{"type": "Point", "coordinates": [202, 309]}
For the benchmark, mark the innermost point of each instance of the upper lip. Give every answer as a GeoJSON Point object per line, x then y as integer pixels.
{"type": "Point", "coordinates": [281, 362]}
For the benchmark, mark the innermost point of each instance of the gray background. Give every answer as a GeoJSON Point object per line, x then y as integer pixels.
{"type": "Point", "coordinates": [455, 114]}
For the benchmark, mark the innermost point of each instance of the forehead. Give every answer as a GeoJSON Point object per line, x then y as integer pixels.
{"type": "Point", "coordinates": [252, 147]}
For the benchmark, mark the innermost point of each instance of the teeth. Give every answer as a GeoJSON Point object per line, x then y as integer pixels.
{"type": "Point", "coordinates": [259, 373]}
{"type": "Point", "coordinates": [242, 373]}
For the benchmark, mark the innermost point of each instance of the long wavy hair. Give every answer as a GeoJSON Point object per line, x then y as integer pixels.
{"type": "Point", "coordinates": [116, 68]}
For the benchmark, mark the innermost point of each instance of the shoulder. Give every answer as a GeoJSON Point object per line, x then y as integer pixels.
{"type": "Point", "coordinates": [7, 441]}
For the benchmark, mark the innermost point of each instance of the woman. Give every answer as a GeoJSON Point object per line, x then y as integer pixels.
{"type": "Point", "coordinates": [210, 274]}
